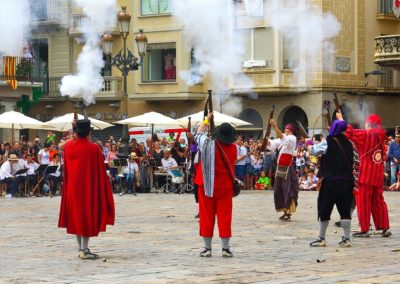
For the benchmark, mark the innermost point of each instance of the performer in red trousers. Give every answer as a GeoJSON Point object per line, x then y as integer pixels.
{"type": "Point", "coordinates": [215, 187]}
{"type": "Point", "coordinates": [87, 203]}
{"type": "Point", "coordinates": [371, 146]}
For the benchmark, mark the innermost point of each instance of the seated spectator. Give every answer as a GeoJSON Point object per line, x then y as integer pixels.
{"type": "Point", "coordinates": [395, 186]}
{"type": "Point", "coordinates": [7, 175]}
{"type": "Point", "coordinates": [131, 174]}
{"type": "Point", "coordinates": [264, 182]}
{"type": "Point", "coordinates": [168, 162]}
{"type": "Point", "coordinates": [54, 179]}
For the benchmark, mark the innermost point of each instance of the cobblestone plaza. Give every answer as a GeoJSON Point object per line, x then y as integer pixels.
{"type": "Point", "coordinates": [155, 240]}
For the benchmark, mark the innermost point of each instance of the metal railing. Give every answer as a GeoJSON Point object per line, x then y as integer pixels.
{"type": "Point", "coordinates": [16, 68]}
{"type": "Point", "coordinates": [76, 22]}
{"type": "Point", "coordinates": [46, 10]}
{"type": "Point", "coordinates": [112, 87]}
{"type": "Point", "coordinates": [384, 6]}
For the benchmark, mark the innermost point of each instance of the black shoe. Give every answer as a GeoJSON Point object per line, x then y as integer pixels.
{"type": "Point", "coordinates": [197, 216]}
{"type": "Point", "coordinates": [226, 253]}
{"type": "Point", "coordinates": [206, 253]}
{"type": "Point", "coordinates": [338, 224]}
{"type": "Point", "coordinates": [386, 233]}
{"type": "Point", "coordinates": [361, 235]}
{"type": "Point", "coordinates": [320, 242]}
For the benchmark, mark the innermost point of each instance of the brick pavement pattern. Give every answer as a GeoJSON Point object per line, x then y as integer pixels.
{"type": "Point", "coordinates": [155, 240]}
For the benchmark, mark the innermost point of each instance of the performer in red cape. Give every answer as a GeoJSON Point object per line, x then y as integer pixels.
{"type": "Point", "coordinates": [87, 203]}
{"type": "Point", "coordinates": [371, 146]}
{"type": "Point", "coordinates": [217, 156]}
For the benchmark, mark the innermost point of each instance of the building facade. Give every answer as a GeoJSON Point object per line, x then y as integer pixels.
{"type": "Point", "coordinates": [363, 81]}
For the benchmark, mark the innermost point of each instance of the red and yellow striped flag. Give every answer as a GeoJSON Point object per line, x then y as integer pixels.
{"type": "Point", "coordinates": [9, 68]}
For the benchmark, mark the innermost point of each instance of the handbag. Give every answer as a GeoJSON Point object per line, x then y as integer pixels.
{"type": "Point", "coordinates": [237, 183]}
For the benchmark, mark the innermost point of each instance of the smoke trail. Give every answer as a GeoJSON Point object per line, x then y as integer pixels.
{"type": "Point", "coordinates": [307, 33]}
{"type": "Point", "coordinates": [101, 17]}
{"type": "Point", "coordinates": [14, 22]}
{"type": "Point", "coordinates": [218, 50]}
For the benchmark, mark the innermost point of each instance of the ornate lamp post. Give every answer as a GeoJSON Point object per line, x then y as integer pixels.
{"type": "Point", "coordinates": [125, 61]}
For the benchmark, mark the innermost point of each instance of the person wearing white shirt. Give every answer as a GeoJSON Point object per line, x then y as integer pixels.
{"type": "Point", "coordinates": [168, 163]}
{"type": "Point", "coordinates": [286, 186]}
{"type": "Point", "coordinates": [54, 179]}
{"type": "Point", "coordinates": [32, 166]}
{"type": "Point", "coordinates": [240, 163]}
{"type": "Point", "coordinates": [131, 174]}
{"type": "Point", "coordinates": [44, 155]}
{"type": "Point", "coordinates": [7, 175]}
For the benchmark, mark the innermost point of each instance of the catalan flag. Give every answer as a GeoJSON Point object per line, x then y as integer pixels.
{"type": "Point", "coordinates": [9, 68]}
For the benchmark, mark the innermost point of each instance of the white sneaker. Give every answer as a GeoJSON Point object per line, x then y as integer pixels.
{"type": "Point", "coordinates": [8, 195]}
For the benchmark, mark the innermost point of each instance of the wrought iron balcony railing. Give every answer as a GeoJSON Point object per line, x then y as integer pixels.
{"type": "Point", "coordinates": [387, 50]}
{"type": "Point", "coordinates": [16, 68]}
{"type": "Point", "coordinates": [112, 88]}
{"type": "Point", "coordinates": [46, 10]}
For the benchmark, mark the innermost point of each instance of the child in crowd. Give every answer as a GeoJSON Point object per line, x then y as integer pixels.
{"type": "Point", "coordinates": [263, 182]}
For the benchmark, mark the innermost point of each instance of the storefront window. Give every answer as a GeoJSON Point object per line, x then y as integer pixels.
{"type": "Point", "coordinates": [160, 62]}
{"type": "Point", "coordinates": [156, 7]}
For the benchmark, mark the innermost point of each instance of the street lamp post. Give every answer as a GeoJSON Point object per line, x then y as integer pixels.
{"type": "Point", "coordinates": [125, 61]}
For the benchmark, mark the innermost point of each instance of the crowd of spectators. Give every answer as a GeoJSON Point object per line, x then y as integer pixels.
{"type": "Point", "coordinates": [254, 167]}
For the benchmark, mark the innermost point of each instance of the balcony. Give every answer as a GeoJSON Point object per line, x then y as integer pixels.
{"type": "Point", "coordinates": [385, 11]}
{"type": "Point", "coordinates": [76, 22]}
{"type": "Point", "coordinates": [387, 50]}
{"type": "Point", "coordinates": [19, 69]}
{"type": "Point", "coordinates": [47, 15]}
{"type": "Point", "coordinates": [112, 88]}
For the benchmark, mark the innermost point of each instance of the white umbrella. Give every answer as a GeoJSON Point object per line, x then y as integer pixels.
{"type": "Point", "coordinates": [149, 118]}
{"type": "Point", "coordinates": [219, 118]}
{"type": "Point", "coordinates": [17, 120]}
{"type": "Point", "coordinates": [64, 122]}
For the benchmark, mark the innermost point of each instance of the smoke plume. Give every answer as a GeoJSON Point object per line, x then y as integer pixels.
{"type": "Point", "coordinates": [15, 18]}
{"type": "Point", "coordinates": [308, 31]}
{"type": "Point", "coordinates": [100, 18]}
{"type": "Point", "coordinates": [218, 50]}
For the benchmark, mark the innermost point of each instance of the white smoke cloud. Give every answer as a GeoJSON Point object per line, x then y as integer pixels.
{"type": "Point", "coordinates": [309, 30]}
{"type": "Point", "coordinates": [101, 17]}
{"type": "Point", "coordinates": [15, 20]}
{"type": "Point", "coordinates": [218, 50]}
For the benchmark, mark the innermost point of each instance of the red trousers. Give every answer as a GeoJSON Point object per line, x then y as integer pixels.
{"type": "Point", "coordinates": [369, 200]}
{"type": "Point", "coordinates": [221, 206]}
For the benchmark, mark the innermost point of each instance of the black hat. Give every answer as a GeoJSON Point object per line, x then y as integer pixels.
{"type": "Point", "coordinates": [225, 133]}
{"type": "Point", "coordinates": [83, 126]}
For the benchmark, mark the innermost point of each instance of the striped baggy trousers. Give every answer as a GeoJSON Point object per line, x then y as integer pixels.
{"type": "Point", "coordinates": [369, 200]}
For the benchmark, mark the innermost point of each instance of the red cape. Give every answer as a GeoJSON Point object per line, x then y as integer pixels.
{"type": "Point", "coordinates": [87, 203]}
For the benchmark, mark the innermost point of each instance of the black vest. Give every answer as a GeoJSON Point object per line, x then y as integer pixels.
{"type": "Point", "coordinates": [333, 162]}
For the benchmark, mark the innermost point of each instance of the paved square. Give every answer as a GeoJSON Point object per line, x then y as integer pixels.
{"type": "Point", "coordinates": [155, 240]}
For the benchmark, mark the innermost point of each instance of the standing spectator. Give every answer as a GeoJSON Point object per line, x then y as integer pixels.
{"type": "Point", "coordinates": [215, 184]}
{"type": "Point", "coordinates": [44, 155]}
{"type": "Point", "coordinates": [87, 204]}
{"type": "Point", "coordinates": [240, 163]}
{"type": "Point", "coordinates": [394, 158]}
{"type": "Point", "coordinates": [256, 167]}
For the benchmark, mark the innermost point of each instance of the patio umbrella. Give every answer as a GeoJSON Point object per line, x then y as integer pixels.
{"type": "Point", "coordinates": [17, 120]}
{"type": "Point", "coordinates": [64, 122]}
{"type": "Point", "coordinates": [219, 118]}
{"type": "Point", "coordinates": [149, 119]}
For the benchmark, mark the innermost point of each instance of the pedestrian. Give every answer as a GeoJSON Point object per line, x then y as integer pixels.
{"type": "Point", "coordinates": [215, 186]}
{"type": "Point", "coordinates": [87, 203]}
{"type": "Point", "coordinates": [336, 172]}
{"type": "Point", "coordinates": [394, 158]}
{"type": "Point", "coordinates": [286, 187]}
{"type": "Point", "coordinates": [371, 145]}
